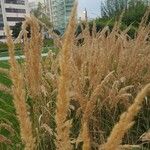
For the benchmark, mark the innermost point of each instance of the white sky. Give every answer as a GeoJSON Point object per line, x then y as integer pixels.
{"type": "Point", "coordinates": [92, 6]}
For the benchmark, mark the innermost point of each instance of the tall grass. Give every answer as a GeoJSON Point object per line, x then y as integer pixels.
{"type": "Point", "coordinates": [19, 97]}
{"type": "Point", "coordinates": [74, 99]}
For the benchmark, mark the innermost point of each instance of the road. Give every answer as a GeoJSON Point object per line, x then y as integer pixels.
{"type": "Point", "coordinates": [18, 57]}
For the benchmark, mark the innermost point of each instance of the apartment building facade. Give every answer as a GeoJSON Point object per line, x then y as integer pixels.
{"type": "Point", "coordinates": [59, 12]}
{"type": "Point", "coordinates": [11, 12]}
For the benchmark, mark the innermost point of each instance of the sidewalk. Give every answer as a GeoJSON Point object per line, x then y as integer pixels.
{"type": "Point", "coordinates": [18, 57]}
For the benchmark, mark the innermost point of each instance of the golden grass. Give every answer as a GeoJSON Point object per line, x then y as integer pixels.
{"type": "Point", "coordinates": [75, 97]}
{"type": "Point", "coordinates": [126, 121]}
{"type": "Point", "coordinates": [4, 88]}
{"type": "Point", "coordinates": [19, 97]}
{"type": "Point", "coordinates": [63, 99]}
{"type": "Point", "coordinates": [32, 51]}
{"type": "Point", "coordinates": [5, 71]}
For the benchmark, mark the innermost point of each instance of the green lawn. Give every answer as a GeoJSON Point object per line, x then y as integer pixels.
{"type": "Point", "coordinates": [48, 44]}
{"type": "Point", "coordinates": [7, 110]}
{"type": "Point", "coordinates": [5, 54]}
{"type": "Point", "coordinates": [7, 113]}
{"type": "Point", "coordinates": [20, 52]}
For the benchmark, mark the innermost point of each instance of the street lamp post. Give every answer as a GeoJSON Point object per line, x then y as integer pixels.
{"type": "Point", "coordinates": [85, 14]}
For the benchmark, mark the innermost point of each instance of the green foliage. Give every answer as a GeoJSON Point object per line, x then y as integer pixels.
{"type": "Point", "coordinates": [114, 8]}
{"type": "Point", "coordinates": [48, 42]}
{"type": "Point", "coordinates": [16, 29]}
{"type": "Point", "coordinates": [8, 114]}
{"type": "Point", "coordinates": [39, 13]}
{"type": "Point", "coordinates": [134, 14]}
{"type": "Point", "coordinates": [111, 8]}
{"type": "Point", "coordinates": [3, 47]}
{"type": "Point", "coordinates": [18, 46]}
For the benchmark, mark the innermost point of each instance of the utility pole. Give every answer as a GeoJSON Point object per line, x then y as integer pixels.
{"type": "Point", "coordinates": [86, 14]}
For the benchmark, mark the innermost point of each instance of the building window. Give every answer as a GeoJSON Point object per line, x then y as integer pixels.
{"type": "Point", "coordinates": [1, 25]}
{"type": "Point", "coordinates": [13, 10]}
{"type": "Point", "coordinates": [2, 37]}
{"type": "Point", "coordinates": [22, 2]}
{"type": "Point", "coordinates": [1, 28]}
{"type": "Point", "coordinates": [1, 19]}
{"type": "Point", "coordinates": [18, 19]}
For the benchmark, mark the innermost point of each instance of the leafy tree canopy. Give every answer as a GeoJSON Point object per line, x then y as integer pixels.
{"type": "Point", "coordinates": [16, 29]}
{"type": "Point", "coordinates": [134, 10]}
{"type": "Point", "coordinates": [113, 8]}
{"type": "Point", "coordinates": [41, 15]}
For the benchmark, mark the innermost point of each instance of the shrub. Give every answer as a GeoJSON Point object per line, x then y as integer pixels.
{"type": "Point", "coordinates": [4, 47]}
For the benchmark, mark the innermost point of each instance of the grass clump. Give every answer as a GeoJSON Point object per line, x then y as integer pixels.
{"type": "Point", "coordinates": [72, 99]}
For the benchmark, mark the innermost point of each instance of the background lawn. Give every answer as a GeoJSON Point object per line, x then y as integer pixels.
{"type": "Point", "coordinates": [47, 44]}
{"type": "Point", "coordinates": [7, 113]}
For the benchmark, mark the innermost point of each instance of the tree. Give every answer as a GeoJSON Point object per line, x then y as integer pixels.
{"type": "Point", "coordinates": [134, 13]}
{"type": "Point", "coordinates": [17, 28]}
{"type": "Point", "coordinates": [134, 10]}
{"type": "Point", "coordinates": [113, 8]}
{"type": "Point", "coordinates": [41, 15]}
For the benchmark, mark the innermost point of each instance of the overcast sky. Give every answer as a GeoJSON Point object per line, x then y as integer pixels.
{"type": "Point", "coordinates": [92, 6]}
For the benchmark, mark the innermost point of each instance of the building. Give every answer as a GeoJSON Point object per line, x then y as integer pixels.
{"type": "Point", "coordinates": [59, 12]}
{"type": "Point", "coordinates": [48, 9]}
{"type": "Point", "coordinates": [33, 5]}
{"type": "Point", "coordinates": [11, 12]}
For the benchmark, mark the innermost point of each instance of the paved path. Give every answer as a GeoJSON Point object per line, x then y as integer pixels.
{"type": "Point", "coordinates": [18, 57]}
